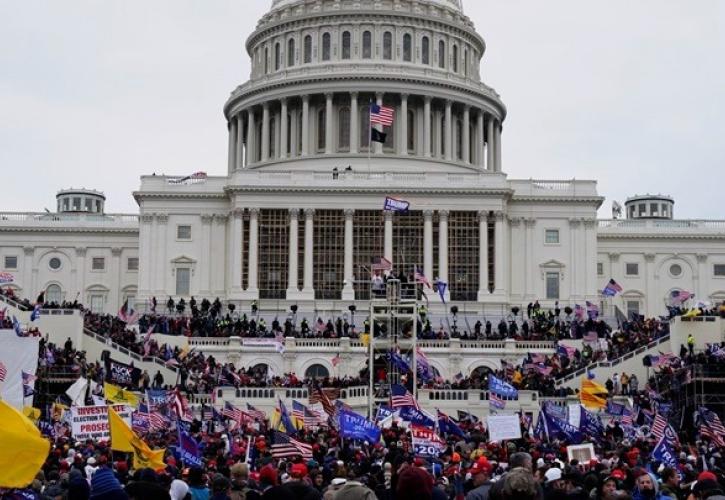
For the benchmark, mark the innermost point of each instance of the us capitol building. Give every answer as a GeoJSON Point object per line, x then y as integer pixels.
{"type": "Point", "coordinates": [298, 218]}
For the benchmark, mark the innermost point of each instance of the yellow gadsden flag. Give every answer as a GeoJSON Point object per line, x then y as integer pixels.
{"type": "Point", "coordinates": [124, 439]}
{"type": "Point", "coordinates": [593, 395]}
{"type": "Point", "coordinates": [32, 413]}
{"type": "Point", "coordinates": [23, 449]}
{"type": "Point", "coordinates": [119, 395]}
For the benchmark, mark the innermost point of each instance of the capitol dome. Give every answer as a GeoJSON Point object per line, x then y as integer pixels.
{"type": "Point", "coordinates": [318, 66]}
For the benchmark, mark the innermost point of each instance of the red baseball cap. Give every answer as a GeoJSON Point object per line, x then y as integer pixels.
{"type": "Point", "coordinates": [481, 465]}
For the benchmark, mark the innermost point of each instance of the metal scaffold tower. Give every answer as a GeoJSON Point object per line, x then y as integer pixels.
{"type": "Point", "coordinates": [393, 328]}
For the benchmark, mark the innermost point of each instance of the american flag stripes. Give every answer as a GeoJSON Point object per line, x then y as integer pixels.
{"type": "Point", "coordinates": [711, 426]}
{"type": "Point", "coordinates": [255, 413]}
{"type": "Point", "coordinates": [157, 422]}
{"type": "Point", "coordinates": [381, 115]}
{"type": "Point", "coordinates": [336, 360]}
{"type": "Point", "coordinates": [232, 412]}
{"type": "Point", "coordinates": [420, 278]}
{"type": "Point", "coordinates": [318, 395]}
{"type": "Point", "coordinates": [496, 402]}
{"type": "Point", "coordinates": [660, 428]}
{"type": "Point", "coordinates": [284, 446]}
{"type": "Point", "coordinates": [400, 397]}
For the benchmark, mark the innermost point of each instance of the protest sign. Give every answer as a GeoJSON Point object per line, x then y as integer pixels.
{"type": "Point", "coordinates": [91, 422]}
{"type": "Point", "coordinates": [502, 427]}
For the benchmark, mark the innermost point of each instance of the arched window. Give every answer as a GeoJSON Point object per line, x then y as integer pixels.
{"type": "Point", "coordinates": [455, 58]}
{"type": "Point", "coordinates": [308, 49]}
{"type": "Point", "coordinates": [326, 47]}
{"type": "Point", "coordinates": [346, 43]}
{"type": "Point", "coordinates": [411, 131]}
{"type": "Point", "coordinates": [290, 52]}
{"type": "Point", "coordinates": [442, 54]}
{"type": "Point", "coordinates": [407, 47]}
{"type": "Point", "coordinates": [321, 129]}
{"type": "Point", "coordinates": [367, 51]}
{"type": "Point", "coordinates": [459, 139]}
{"type": "Point", "coordinates": [365, 127]}
{"type": "Point", "coordinates": [317, 371]}
{"type": "Point", "coordinates": [425, 50]}
{"type": "Point", "coordinates": [272, 138]}
{"type": "Point", "coordinates": [260, 369]}
{"type": "Point", "coordinates": [387, 45]}
{"type": "Point", "coordinates": [266, 60]}
{"type": "Point", "coordinates": [53, 294]}
{"type": "Point", "coordinates": [343, 128]}
{"type": "Point", "coordinates": [277, 57]}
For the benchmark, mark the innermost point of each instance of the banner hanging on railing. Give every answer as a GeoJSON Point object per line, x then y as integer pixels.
{"type": "Point", "coordinates": [122, 373]}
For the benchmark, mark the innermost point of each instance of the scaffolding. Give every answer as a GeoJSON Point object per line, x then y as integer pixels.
{"type": "Point", "coordinates": [393, 326]}
{"type": "Point", "coordinates": [703, 386]}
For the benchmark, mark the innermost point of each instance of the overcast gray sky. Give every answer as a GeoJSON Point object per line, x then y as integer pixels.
{"type": "Point", "coordinates": [96, 93]}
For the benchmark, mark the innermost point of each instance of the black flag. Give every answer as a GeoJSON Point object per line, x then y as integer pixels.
{"type": "Point", "coordinates": [377, 136]}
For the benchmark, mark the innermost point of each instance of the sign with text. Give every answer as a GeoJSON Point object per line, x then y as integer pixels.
{"type": "Point", "coordinates": [502, 427]}
{"type": "Point", "coordinates": [91, 422]}
{"type": "Point", "coordinates": [426, 443]}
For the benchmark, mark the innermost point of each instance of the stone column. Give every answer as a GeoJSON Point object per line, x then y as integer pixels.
{"type": "Point", "coordinates": [308, 283]}
{"type": "Point", "coordinates": [292, 289]}
{"type": "Point", "coordinates": [265, 132]}
{"type": "Point", "coordinates": [232, 163]}
{"type": "Point", "coordinates": [466, 154]}
{"type": "Point", "coordinates": [426, 126]}
{"type": "Point", "coordinates": [283, 129]}
{"type": "Point", "coordinates": [354, 123]}
{"type": "Point", "coordinates": [574, 237]}
{"type": "Point", "coordinates": [449, 132]}
{"type": "Point", "coordinates": [206, 238]}
{"type": "Point", "coordinates": [348, 292]}
{"type": "Point", "coordinates": [242, 149]}
{"type": "Point", "coordinates": [497, 139]}
{"type": "Point", "coordinates": [251, 138]}
{"type": "Point", "coordinates": [294, 134]}
{"type": "Point", "coordinates": [81, 272]}
{"type": "Point", "coordinates": [145, 264]}
{"type": "Point", "coordinates": [237, 234]}
{"type": "Point", "coordinates": [701, 280]}
{"type": "Point", "coordinates": [443, 246]}
{"type": "Point", "coordinates": [28, 286]}
{"type": "Point", "coordinates": [388, 236]}
{"type": "Point", "coordinates": [500, 256]}
{"type": "Point", "coordinates": [305, 125]}
{"type": "Point", "coordinates": [490, 144]}
{"type": "Point", "coordinates": [218, 253]}
{"type": "Point", "coordinates": [379, 102]}
{"type": "Point", "coordinates": [480, 158]}
{"type": "Point", "coordinates": [428, 244]}
{"type": "Point", "coordinates": [162, 267]}
{"type": "Point", "coordinates": [252, 285]}
{"type": "Point", "coordinates": [329, 146]}
{"type": "Point", "coordinates": [483, 291]}
{"type": "Point", "coordinates": [529, 288]}
{"type": "Point", "coordinates": [114, 297]}
{"type": "Point", "coordinates": [403, 120]}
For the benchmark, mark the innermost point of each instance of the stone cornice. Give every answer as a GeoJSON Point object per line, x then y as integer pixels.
{"type": "Point", "coordinates": [55, 229]}
{"type": "Point", "coordinates": [660, 236]}
{"type": "Point", "coordinates": [365, 190]}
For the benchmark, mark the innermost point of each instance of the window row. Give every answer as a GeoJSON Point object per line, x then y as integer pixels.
{"type": "Point", "coordinates": [54, 263]}
{"type": "Point", "coordinates": [443, 55]}
{"type": "Point", "coordinates": [631, 269]}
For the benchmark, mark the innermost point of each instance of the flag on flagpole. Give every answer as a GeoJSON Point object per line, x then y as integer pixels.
{"type": "Point", "coordinates": [496, 402]}
{"type": "Point", "coordinates": [23, 449]}
{"type": "Point", "coordinates": [124, 439]}
{"type": "Point", "coordinates": [612, 288]}
{"type": "Point", "coordinates": [378, 136]}
{"type": "Point", "coordinates": [679, 296]}
{"type": "Point", "coordinates": [592, 394]}
{"type": "Point", "coordinates": [284, 446]}
{"type": "Point", "coordinates": [401, 398]}
{"type": "Point", "coordinates": [711, 426]}
{"type": "Point", "coordinates": [381, 115]}
{"type": "Point", "coordinates": [420, 277]}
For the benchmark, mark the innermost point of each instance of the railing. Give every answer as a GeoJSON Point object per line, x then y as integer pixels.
{"type": "Point", "coordinates": [13, 303]}
{"type": "Point", "coordinates": [426, 394]}
{"type": "Point", "coordinates": [613, 362]}
{"type": "Point", "coordinates": [682, 225]}
{"type": "Point", "coordinates": [45, 219]}
{"type": "Point", "coordinates": [128, 352]}
{"type": "Point", "coordinates": [58, 373]}
{"type": "Point", "coordinates": [59, 312]}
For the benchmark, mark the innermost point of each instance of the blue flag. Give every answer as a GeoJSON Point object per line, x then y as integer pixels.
{"type": "Point", "coordinates": [189, 449]}
{"type": "Point", "coordinates": [395, 205]}
{"type": "Point", "coordinates": [286, 420]}
{"type": "Point", "coordinates": [415, 416]}
{"type": "Point", "coordinates": [615, 409]}
{"type": "Point", "coordinates": [560, 429]}
{"type": "Point", "coordinates": [398, 361]}
{"type": "Point", "coordinates": [442, 286]}
{"type": "Point", "coordinates": [591, 424]}
{"type": "Point", "coordinates": [446, 425]}
{"type": "Point", "coordinates": [664, 453]}
{"type": "Point", "coordinates": [383, 413]}
{"type": "Point", "coordinates": [354, 426]}
{"type": "Point", "coordinates": [16, 327]}
{"type": "Point", "coordinates": [503, 389]}
{"type": "Point", "coordinates": [36, 313]}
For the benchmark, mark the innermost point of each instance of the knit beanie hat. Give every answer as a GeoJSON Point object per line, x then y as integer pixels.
{"type": "Point", "coordinates": [104, 485]}
{"type": "Point", "coordinates": [414, 484]}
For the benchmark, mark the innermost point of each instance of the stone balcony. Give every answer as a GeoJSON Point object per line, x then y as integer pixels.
{"type": "Point", "coordinates": [77, 221]}
{"type": "Point", "coordinates": [661, 228]}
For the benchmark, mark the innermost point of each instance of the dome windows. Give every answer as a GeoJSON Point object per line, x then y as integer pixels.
{"type": "Point", "coordinates": [407, 48]}
{"type": "Point", "coordinates": [346, 45]}
{"type": "Point", "coordinates": [277, 56]}
{"type": "Point", "coordinates": [290, 52]}
{"type": "Point", "coordinates": [425, 50]}
{"type": "Point", "coordinates": [367, 45]}
{"type": "Point", "coordinates": [442, 54]}
{"type": "Point", "coordinates": [387, 46]}
{"type": "Point", "coordinates": [455, 58]}
{"type": "Point", "coordinates": [308, 49]}
{"type": "Point", "coordinates": [325, 46]}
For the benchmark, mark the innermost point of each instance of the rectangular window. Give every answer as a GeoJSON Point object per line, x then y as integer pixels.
{"type": "Point", "coordinates": [11, 262]}
{"type": "Point", "coordinates": [653, 209]}
{"type": "Point", "coordinates": [600, 268]}
{"type": "Point", "coordinates": [552, 286]}
{"type": "Point", "coordinates": [552, 236]}
{"type": "Point", "coordinates": [632, 269]}
{"type": "Point", "coordinates": [77, 204]}
{"type": "Point", "coordinates": [97, 304]}
{"type": "Point", "coordinates": [642, 208]}
{"type": "Point", "coordinates": [183, 232]}
{"type": "Point", "coordinates": [719, 269]}
{"type": "Point", "coordinates": [98, 264]}
{"type": "Point", "coordinates": [132, 264]}
{"type": "Point", "coordinates": [183, 280]}
{"type": "Point", "coordinates": [632, 308]}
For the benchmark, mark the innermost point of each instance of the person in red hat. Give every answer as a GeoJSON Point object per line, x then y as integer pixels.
{"type": "Point", "coordinates": [481, 476]}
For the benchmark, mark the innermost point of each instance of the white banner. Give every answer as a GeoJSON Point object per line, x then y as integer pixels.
{"type": "Point", "coordinates": [91, 422]}
{"type": "Point", "coordinates": [502, 427]}
{"type": "Point", "coordinates": [18, 355]}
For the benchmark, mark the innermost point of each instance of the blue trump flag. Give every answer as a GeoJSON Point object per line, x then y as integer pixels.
{"type": "Point", "coordinates": [36, 313]}
{"type": "Point", "coordinates": [663, 452]}
{"type": "Point", "coordinates": [503, 389]}
{"type": "Point", "coordinates": [354, 426]}
{"type": "Point", "coordinates": [383, 413]}
{"type": "Point", "coordinates": [446, 425]}
{"type": "Point", "coordinates": [591, 423]}
{"type": "Point", "coordinates": [188, 449]}
{"type": "Point", "coordinates": [560, 429]}
{"type": "Point", "coordinates": [415, 416]}
{"type": "Point", "coordinates": [395, 205]}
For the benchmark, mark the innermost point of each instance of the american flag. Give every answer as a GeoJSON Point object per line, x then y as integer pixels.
{"type": "Point", "coordinates": [627, 418]}
{"type": "Point", "coordinates": [680, 296]}
{"type": "Point", "coordinates": [3, 371]}
{"type": "Point", "coordinates": [232, 412]}
{"type": "Point", "coordinates": [420, 277]}
{"type": "Point", "coordinates": [181, 406]}
{"type": "Point", "coordinates": [400, 397]}
{"type": "Point", "coordinates": [336, 360]}
{"type": "Point", "coordinates": [284, 446]}
{"type": "Point", "coordinates": [711, 426]}
{"type": "Point", "coordinates": [318, 395]}
{"type": "Point", "coordinates": [381, 264]}
{"type": "Point", "coordinates": [381, 115]}
{"type": "Point", "coordinates": [255, 413]}
{"type": "Point", "coordinates": [496, 402]}
{"type": "Point", "coordinates": [660, 428]}
{"type": "Point", "coordinates": [157, 422]}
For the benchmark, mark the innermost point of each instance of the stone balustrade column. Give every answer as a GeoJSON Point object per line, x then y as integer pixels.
{"type": "Point", "coordinates": [500, 255]}
{"type": "Point", "coordinates": [242, 148]}
{"type": "Point", "coordinates": [354, 123]}
{"type": "Point", "coordinates": [251, 138]}
{"type": "Point", "coordinates": [428, 244]}
{"type": "Point", "coordinates": [305, 125]}
{"type": "Point", "coordinates": [283, 129]}
{"type": "Point", "coordinates": [426, 126]}
{"type": "Point", "coordinates": [308, 283]}
{"type": "Point", "coordinates": [403, 120]}
{"type": "Point", "coordinates": [490, 160]}
{"type": "Point", "coordinates": [348, 292]}
{"type": "Point", "coordinates": [329, 146]}
{"type": "Point", "coordinates": [292, 288]}
{"type": "Point", "coordinates": [265, 132]}
{"type": "Point", "coordinates": [480, 158]}
{"type": "Point", "coordinates": [443, 245]}
{"type": "Point", "coordinates": [466, 153]}
{"type": "Point", "coordinates": [252, 285]}
{"type": "Point", "coordinates": [497, 140]}
{"type": "Point", "coordinates": [237, 234]}
{"type": "Point", "coordinates": [483, 290]}
{"type": "Point", "coordinates": [449, 131]}
{"type": "Point", "coordinates": [232, 152]}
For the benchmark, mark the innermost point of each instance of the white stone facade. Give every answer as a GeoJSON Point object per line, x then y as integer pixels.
{"type": "Point", "coordinates": [298, 218]}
